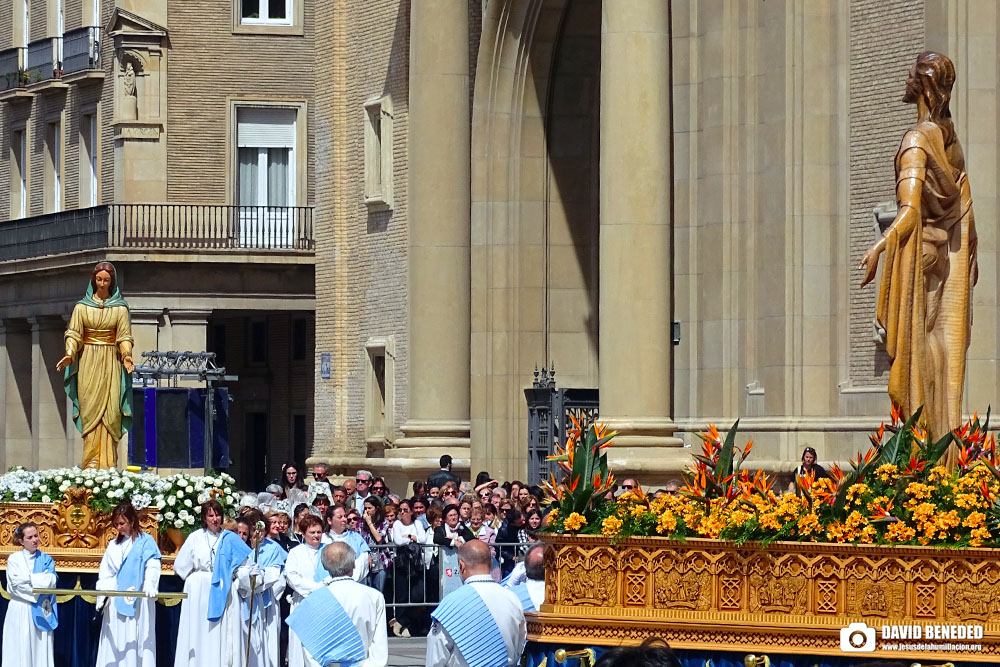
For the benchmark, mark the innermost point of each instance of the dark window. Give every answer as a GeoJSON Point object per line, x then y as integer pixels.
{"type": "Point", "coordinates": [299, 439]}
{"type": "Point", "coordinates": [219, 343]}
{"type": "Point", "coordinates": [276, 9]}
{"type": "Point", "coordinates": [258, 342]}
{"type": "Point", "coordinates": [250, 9]}
{"type": "Point", "coordinates": [299, 340]}
{"type": "Point", "coordinates": [256, 450]}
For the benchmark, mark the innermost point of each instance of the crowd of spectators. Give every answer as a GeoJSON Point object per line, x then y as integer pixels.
{"type": "Point", "coordinates": [405, 532]}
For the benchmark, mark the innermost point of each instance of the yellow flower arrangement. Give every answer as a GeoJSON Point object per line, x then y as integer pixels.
{"type": "Point", "coordinates": [611, 526]}
{"type": "Point", "coordinates": [894, 493]}
{"type": "Point", "coordinates": [575, 521]}
{"type": "Point", "coordinates": [667, 523]}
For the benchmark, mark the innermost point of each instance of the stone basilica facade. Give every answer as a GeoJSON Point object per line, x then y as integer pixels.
{"type": "Point", "coordinates": [395, 211]}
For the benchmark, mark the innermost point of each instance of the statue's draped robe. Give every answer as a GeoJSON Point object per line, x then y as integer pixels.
{"type": "Point", "coordinates": [925, 297]}
{"type": "Point", "coordinates": [97, 339]}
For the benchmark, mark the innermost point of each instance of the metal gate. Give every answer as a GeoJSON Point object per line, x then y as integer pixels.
{"type": "Point", "coordinates": [549, 411]}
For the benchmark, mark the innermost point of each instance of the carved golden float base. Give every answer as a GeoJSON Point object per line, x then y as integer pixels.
{"type": "Point", "coordinates": [791, 598]}
{"type": "Point", "coordinates": [70, 531]}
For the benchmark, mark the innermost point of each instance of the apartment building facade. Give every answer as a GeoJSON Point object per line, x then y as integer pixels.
{"type": "Point", "coordinates": [174, 140]}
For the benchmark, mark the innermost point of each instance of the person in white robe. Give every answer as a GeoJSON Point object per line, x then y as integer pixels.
{"type": "Point", "coordinates": [262, 579]}
{"type": "Point", "coordinates": [344, 622]}
{"type": "Point", "coordinates": [128, 625]}
{"type": "Point", "coordinates": [25, 643]}
{"type": "Point", "coordinates": [200, 641]}
{"type": "Point", "coordinates": [304, 573]}
{"type": "Point", "coordinates": [481, 623]}
{"type": "Point", "coordinates": [531, 591]}
{"type": "Point", "coordinates": [336, 520]}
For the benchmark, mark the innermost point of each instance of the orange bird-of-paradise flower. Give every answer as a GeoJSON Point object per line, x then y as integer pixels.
{"type": "Point", "coordinates": [879, 512]}
{"type": "Point", "coordinates": [919, 433]}
{"type": "Point", "coordinates": [985, 489]}
{"type": "Point", "coordinates": [836, 473]}
{"type": "Point", "coordinates": [895, 414]}
{"type": "Point", "coordinates": [914, 466]}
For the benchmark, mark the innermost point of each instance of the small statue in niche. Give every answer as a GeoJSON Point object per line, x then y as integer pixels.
{"type": "Point", "coordinates": [130, 101]}
{"type": "Point", "coordinates": [128, 80]}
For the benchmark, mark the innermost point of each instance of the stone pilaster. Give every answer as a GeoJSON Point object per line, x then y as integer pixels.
{"type": "Point", "coordinates": [48, 404]}
{"type": "Point", "coordinates": [16, 358]}
{"type": "Point", "coordinates": [439, 239]}
{"type": "Point", "coordinates": [635, 238]}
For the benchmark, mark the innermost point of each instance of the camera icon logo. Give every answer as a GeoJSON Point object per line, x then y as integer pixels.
{"type": "Point", "coordinates": [857, 638]}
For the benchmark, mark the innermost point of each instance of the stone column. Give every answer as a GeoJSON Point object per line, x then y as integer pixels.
{"type": "Point", "coordinates": [439, 201]}
{"type": "Point", "coordinates": [635, 237]}
{"type": "Point", "coordinates": [15, 356]}
{"type": "Point", "coordinates": [145, 332]}
{"type": "Point", "coordinates": [4, 371]}
{"type": "Point", "coordinates": [48, 404]}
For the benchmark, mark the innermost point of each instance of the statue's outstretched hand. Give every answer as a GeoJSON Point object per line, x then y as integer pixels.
{"type": "Point", "coordinates": [870, 261]}
{"type": "Point", "coordinates": [64, 362]}
{"type": "Point", "coordinates": [127, 363]}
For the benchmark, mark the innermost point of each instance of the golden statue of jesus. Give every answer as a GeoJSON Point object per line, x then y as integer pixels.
{"type": "Point", "coordinates": [925, 299]}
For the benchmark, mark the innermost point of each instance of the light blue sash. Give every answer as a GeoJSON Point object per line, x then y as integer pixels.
{"type": "Point", "coordinates": [326, 631]}
{"type": "Point", "coordinates": [521, 590]}
{"type": "Point", "coordinates": [230, 551]}
{"type": "Point", "coordinates": [355, 541]}
{"type": "Point", "coordinates": [470, 624]}
{"type": "Point", "coordinates": [320, 574]}
{"type": "Point", "coordinates": [133, 571]}
{"type": "Point", "coordinates": [43, 611]}
{"type": "Point", "coordinates": [271, 554]}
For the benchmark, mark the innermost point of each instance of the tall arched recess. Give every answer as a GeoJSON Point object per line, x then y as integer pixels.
{"type": "Point", "coordinates": [513, 188]}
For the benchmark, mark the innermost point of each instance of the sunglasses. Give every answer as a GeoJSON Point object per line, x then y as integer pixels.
{"type": "Point", "coordinates": [353, 519]}
{"type": "Point", "coordinates": [378, 488]}
{"type": "Point", "coordinates": [362, 481]}
{"type": "Point", "coordinates": [627, 486]}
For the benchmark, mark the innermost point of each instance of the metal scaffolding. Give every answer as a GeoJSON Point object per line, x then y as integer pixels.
{"type": "Point", "coordinates": [175, 367]}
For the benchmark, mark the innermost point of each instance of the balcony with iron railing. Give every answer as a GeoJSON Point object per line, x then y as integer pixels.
{"type": "Point", "coordinates": [81, 51]}
{"type": "Point", "coordinates": [188, 228]}
{"type": "Point", "coordinates": [12, 62]}
{"type": "Point", "coordinates": [44, 59]}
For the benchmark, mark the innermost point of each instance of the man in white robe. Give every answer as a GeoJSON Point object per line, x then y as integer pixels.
{"type": "Point", "coordinates": [345, 622]}
{"type": "Point", "coordinates": [531, 592]}
{"type": "Point", "coordinates": [462, 622]}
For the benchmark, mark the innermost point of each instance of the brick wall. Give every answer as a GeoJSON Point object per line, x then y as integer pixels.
{"type": "Point", "coordinates": [886, 36]}
{"type": "Point", "coordinates": [207, 65]}
{"type": "Point", "coordinates": [361, 275]}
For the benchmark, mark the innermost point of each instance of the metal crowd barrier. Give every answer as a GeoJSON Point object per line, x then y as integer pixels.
{"type": "Point", "coordinates": [419, 575]}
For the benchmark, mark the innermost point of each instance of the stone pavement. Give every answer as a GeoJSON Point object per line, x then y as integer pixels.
{"type": "Point", "coordinates": [407, 652]}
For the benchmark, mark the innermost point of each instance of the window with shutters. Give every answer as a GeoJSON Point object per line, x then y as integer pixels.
{"type": "Point", "coordinates": [266, 145]}
{"type": "Point", "coordinates": [266, 12]}
{"type": "Point", "coordinates": [53, 167]}
{"type": "Point", "coordinates": [378, 154]}
{"type": "Point", "coordinates": [268, 17]}
{"type": "Point", "coordinates": [19, 172]}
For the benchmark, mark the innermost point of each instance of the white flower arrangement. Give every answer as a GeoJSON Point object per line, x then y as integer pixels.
{"type": "Point", "coordinates": [109, 487]}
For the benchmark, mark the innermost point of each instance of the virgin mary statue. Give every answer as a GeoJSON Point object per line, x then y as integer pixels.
{"type": "Point", "coordinates": [98, 368]}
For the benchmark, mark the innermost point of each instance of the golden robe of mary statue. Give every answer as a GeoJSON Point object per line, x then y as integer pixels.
{"type": "Point", "coordinates": [98, 368]}
{"type": "Point", "coordinates": [925, 299]}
